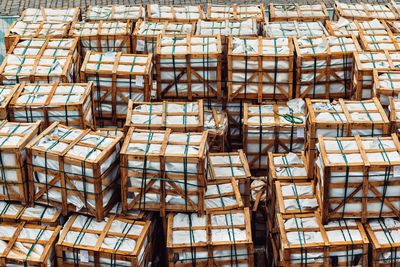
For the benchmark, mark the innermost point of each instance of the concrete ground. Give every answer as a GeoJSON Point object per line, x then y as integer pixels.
{"type": "Point", "coordinates": [14, 7]}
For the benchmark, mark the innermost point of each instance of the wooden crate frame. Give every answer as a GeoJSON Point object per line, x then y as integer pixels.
{"type": "Point", "coordinates": [47, 14]}
{"type": "Point", "coordinates": [365, 187]}
{"type": "Point", "coordinates": [147, 43]}
{"type": "Point", "coordinates": [295, 130]}
{"type": "Point", "coordinates": [100, 178]}
{"type": "Point", "coordinates": [162, 175]}
{"type": "Point", "coordinates": [347, 31]}
{"type": "Point", "coordinates": [372, 38]}
{"type": "Point", "coordinates": [326, 247]}
{"type": "Point", "coordinates": [113, 13]}
{"type": "Point", "coordinates": [46, 256]}
{"type": "Point", "coordinates": [17, 151]}
{"type": "Point", "coordinates": [366, 13]}
{"type": "Point", "coordinates": [385, 85]}
{"type": "Point", "coordinates": [377, 248]}
{"type": "Point", "coordinates": [96, 251]}
{"type": "Point", "coordinates": [68, 73]}
{"type": "Point", "coordinates": [173, 10]}
{"type": "Point", "coordinates": [97, 41]}
{"type": "Point", "coordinates": [188, 58]}
{"type": "Point", "coordinates": [84, 108]}
{"type": "Point", "coordinates": [6, 94]}
{"type": "Point", "coordinates": [111, 131]}
{"type": "Point", "coordinates": [164, 113]}
{"type": "Point", "coordinates": [263, 76]}
{"type": "Point", "coordinates": [210, 246]}
{"type": "Point", "coordinates": [238, 162]}
{"type": "Point", "coordinates": [302, 12]}
{"type": "Point", "coordinates": [342, 127]}
{"type": "Point", "coordinates": [140, 82]}
{"type": "Point", "coordinates": [218, 133]}
{"type": "Point", "coordinates": [36, 30]}
{"type": "Point", "coordinates": [393, 111]}
{"type": "Point", "coordinates": [234, 12]}
{"type": "Point", "coordinates": [328, 74]}
{"type": "Point", "coordinates": [294, 29]}
{"type": "Point", "coordinates": [233, 195]}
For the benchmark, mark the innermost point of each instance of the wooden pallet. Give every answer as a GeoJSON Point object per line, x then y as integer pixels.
{"type": "Point", "coordinates": [65, 176]}
{"type": "Point", "coordinates": [107, 242]}
{"type": "Point", "coordinates": [176, 13]}
{"type": "Point", "coordinates": [115, 12]}
{"type": "Point", "coordinates": [270, 127]}
{"type": "Point", "coordinates": [203, 251]}
{"type": "Point", "coordinates": [149, 176]}
{"type": "Point", "coordinates": [339, 121]}
{"type": "Point", "coordinates": [260, 72]}
{"type": "Point", "coordinates": [223, 166]}
{"type": "Point", "coordinates": [236, 12]}
{"type": "Point", "coordinates": [296, 12]}
{"type": "Point", "coordinates": [358, 178]}
{"type": "Point", "coordinates": [324, 66]}
{"type": "Point", "coordinates": [70, 104]}
{"type": "Point", "coordinates": [117, 78]}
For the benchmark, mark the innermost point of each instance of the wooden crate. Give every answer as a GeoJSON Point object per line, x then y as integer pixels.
{"type": "Point", "coordinates": [194, 240]}
{"type": "Point", "coordinates": [303, 240]}
{"type": "Point", "coordinates": [115, 241]}
{"type": "Point", "coordinates": [351, 171]}
{"type": "Point", "coordinates": [115, 12]}
{"type": "Point", "coordinates": [342, 28]}
{"type": "Point", "coordinates": [224, 166]}
{"type": "Point", "coordinates": [394, 110]}
{"type": "Point", "coordinates": [167, 165]}
{"type": "Point", "coordinates": [74, 170]}
{"type": "Point", "coordinates": [375, 35]}
{"type": "Point", "coordinates": [260, 68]}
{"type": "Point", "coordinates": [295, 29]}
{"type": "Point", "coordinates": [37, 214]}
{"type": "Point", "coordinates": [6, 94]}
{"type": "Point", "coordinates": [179, 55]}
{"type": "Point", "coordinates": [236, 12]}
{"type": "Point", "coordinates": [385, 85]}
{"type": "Point", "coordinates": [117, 78]}
{"type": "Point", "coordinates": [340, 119]}
{"type": "Point", "coordinates": [222, 195]}
{"type": "Point", "coordinates": [178, 116]}
{"type": "Point", "coordinates": [296, 12]}
{"type": "Point", "coordinates": [275, 127]}
{"type": "Point", "coordinates": [58, 15]}
{"type": "Point", "coordinates": [103, 36]}
{"type": "Point", "coordinates": [37, 69]}
{"type": "Point", "coordinates": [384, 245]}
{"type": "Point", "coordinates": [27, 30]}
{"type": "Point", "coordinates": [364, 11]}
{"type": "Point", "coordinates": [14, 138]}
{"type": "Point", "coordinates": [29, 244]}
{"type": "Point", "coordinates": [70, 104]}
{"type": "Point", "coordinates": [144, 37]}
{"type": "Point", "coordinates": [177, 13]}
{"type": "Point", "coordinates": [324, 66]}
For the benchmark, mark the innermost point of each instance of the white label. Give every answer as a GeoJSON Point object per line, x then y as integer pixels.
{"type": "Point", "coordinates": [396, 170]}
{"type": "Point", "coordinates": [140, 45]}
{"type": "Point", "coordinates": [139, 81]}
{"type": "Point", "coordinates": [84, 255]}
{"type": "Point", "coordinates": [300, 132]}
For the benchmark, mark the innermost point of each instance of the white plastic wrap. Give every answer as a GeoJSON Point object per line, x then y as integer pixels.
{"type": "Point", "coordinates": [114, 12]}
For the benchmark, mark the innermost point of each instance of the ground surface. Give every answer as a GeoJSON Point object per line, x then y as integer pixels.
{"type": "Point", "coordinates": [14, 7]}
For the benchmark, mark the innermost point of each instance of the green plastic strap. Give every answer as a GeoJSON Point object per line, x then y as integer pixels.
{"type": "Point", "coordinates": [34, 244]}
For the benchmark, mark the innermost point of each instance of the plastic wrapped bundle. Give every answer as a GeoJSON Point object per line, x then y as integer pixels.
{"type": "Point", "coordinates": [115, 13]}
{"type": "Point", "coordinates": [70, 104]}
{"type": "Point", "coordinates": [103, 36]}
{"type": "Point", "coordinates": [114, 241]}
{"type": "Point", "coordinates": [216, 239]}
{"type": "Point", "coordinates": [358, 177]}
{"type": "Point", "coordinates": [376, 36]}
{"type": "Point", "coordinates": [236, 12]}
{"type": "Point", "coordinates": [295, 29]}
{"type": "Point", "coordinates": [117, 78]}
{"type": "Point", "coordinates": [145, 34]}
{"type": "Point", "coordinates": [32, 15]}
{"type": "Point", "coordinates": [74, 170]}
{"type": "Point", "coordinates": [272, 127]}
{"type": "Point", "coordinates": [342, 28]}
{"type": "Point", "coordinates": [187, 13]}
{"type": "Point", "coordinates": [260, 68]}
{"type": "Point", "coordinates": [365, 11]}
{"type": "Point", "coordinates": [164, 170]}
{"type": "Point", "coordinates": [296, 12]}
